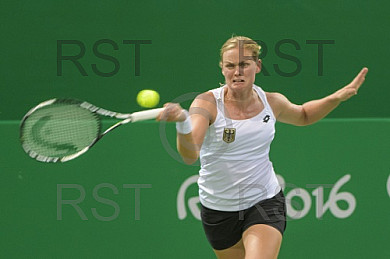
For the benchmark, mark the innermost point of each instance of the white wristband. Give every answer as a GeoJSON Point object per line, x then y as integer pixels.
{"type": "Point", "coordinates": [184, 127]}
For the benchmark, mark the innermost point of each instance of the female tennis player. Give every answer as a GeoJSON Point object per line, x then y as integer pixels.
{"type": "Point", "coordinates": [230, 129]}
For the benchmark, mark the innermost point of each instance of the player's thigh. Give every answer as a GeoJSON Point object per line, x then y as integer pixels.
{"type": "Point", "coordinates": [261, 241]}
{"type": "Point", "coordinates": [235, 252]}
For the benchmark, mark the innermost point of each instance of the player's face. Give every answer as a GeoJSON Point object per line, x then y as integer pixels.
{"type": "Point", "coordinates": [239, 73]}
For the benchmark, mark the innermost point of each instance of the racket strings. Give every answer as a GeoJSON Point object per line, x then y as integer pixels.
{"type": "Point", "coordinates": [59, 129]}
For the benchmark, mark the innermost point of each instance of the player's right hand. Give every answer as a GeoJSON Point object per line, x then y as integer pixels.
{"type": "Point", "coordinates": [172, 112]}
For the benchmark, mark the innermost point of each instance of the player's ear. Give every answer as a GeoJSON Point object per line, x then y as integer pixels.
{"type": "Point", "coordinates": [258, 66]}
{"type": "Point", "coordinates": [220, 65]}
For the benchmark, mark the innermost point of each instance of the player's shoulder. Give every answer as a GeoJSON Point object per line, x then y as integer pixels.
{"type": "Point", "coordinates": [204, 104]}
{"type": "Point", "coordinates": [275, 98]}
{"type": "Point", "coordinates": [273, 95]}
{"type": "Point", "coordinates": [205, 99]}
{"type": "Point", "coordinates": [277, 101]}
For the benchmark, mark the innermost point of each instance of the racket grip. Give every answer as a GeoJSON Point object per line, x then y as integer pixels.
{"type": "Point", "coordinates": [145, 115]}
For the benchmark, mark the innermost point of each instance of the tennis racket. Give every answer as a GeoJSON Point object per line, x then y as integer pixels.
{"type": "Point", "coordinates": [59, 130]}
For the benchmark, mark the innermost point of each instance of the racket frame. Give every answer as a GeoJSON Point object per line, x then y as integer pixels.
{"type": "Point", "coordinates": [124, 117]}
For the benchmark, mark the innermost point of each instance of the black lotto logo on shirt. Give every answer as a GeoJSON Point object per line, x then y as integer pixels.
{"type": "Point", "coordinates": [229, 135]}
{"type": "Point", "coordinates": [266, 118]}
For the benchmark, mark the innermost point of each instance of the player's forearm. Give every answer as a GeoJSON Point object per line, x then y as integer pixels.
{"type": "Point", "coordinates": [188, 150]}
{"type": "Point", "coordinates": [317, 109]}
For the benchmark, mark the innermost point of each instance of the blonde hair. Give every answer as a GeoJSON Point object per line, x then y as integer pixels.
{"type": "Point", "coordinates": [241, 41]}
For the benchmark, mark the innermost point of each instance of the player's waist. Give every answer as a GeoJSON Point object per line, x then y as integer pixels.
{"type": "Point", "coordinates": [236, 197]}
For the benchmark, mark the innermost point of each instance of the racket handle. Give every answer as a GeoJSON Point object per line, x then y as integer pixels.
{"type": "Point", "coordinates": [145, 115]}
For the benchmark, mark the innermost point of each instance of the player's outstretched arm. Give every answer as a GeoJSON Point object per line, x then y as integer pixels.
{"type": "Point", "coordinates": [315, 110]}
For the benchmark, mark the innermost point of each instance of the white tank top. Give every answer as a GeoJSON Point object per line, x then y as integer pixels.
{"type": "Point", "coordinates": [236, 172]}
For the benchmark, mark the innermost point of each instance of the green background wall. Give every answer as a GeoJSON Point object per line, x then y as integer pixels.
{"type": "Point", "coordinates": [182, 60]}
{"type": "Point", "coordinates": [184, 53]}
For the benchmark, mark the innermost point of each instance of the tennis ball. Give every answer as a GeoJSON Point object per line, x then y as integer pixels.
{"type": "Point", "coordinates": [148, 98]}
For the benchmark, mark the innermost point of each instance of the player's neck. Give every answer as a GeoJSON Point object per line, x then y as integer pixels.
{"type": "Point", "coordinates": [239, 98]}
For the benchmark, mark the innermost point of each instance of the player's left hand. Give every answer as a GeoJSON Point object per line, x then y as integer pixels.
{"type": "Point", "coordinates": [352, 88]}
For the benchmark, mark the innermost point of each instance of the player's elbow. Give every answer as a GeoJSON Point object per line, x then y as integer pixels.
{"type": "Point", "coordinates": [303, 119]}
{"type": "Point", "coordinates": [189, 161]}
{"type": "Point", "coordinates": [188, 151]}
{"type": "Point", "coordinates": [189, 157]}
{"type": "Point", "coordinates": [302, 122]}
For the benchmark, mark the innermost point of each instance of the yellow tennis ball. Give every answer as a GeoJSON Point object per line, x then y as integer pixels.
{"type": "Point", "coordinates": [148, 98]}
